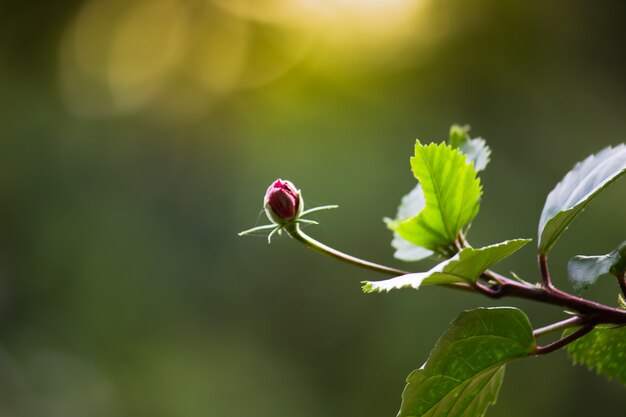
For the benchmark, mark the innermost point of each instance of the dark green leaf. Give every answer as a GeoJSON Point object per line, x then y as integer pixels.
{"type": "Point", "coordinates": [584, 271]}
{"type": "Point", "coordinates": [465, 266]}
{"type": "Point", "coordinates": [452, 192]}
{"type": "Point", "coordinates": [602, 350]}
{"type": "Point", "coordinates": [576, 190]}
{"type": "Point", "coordinates": [465, 369]}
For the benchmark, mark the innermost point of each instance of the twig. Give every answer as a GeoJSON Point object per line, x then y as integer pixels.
{"type": "Point", "coordinates": [498, 287]}
{"type": "Point", "coordinates": [295, 232]}
{"type": "Point", "coordinates": [572, 321]}
{"type": "Point", "coordinates": [545, 272]}
{"type": "Point", "coordinates": [293, 229]}
{"type": "Point", "coordinates": [549, 348]}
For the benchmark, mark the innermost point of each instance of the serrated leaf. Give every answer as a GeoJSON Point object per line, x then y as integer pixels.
{"type": "Point", "coordinates": [412, 203]}
{"type": "Point", "coordinates": [576, 190]}
{"type": "Point", "coordinates": [476, 150]}
{"type": "Point", "coordinates": [584, 271]}
{"type": "Point", "coordinates": [452, 192]}
{"type": "Point", "coordinates": [410, 206]}
{"type": "Point", "coordinates": [406, 251]}
{"type": "Point", "coordinates": [602, 350]}
{"type": "Point", "coordinates": [462, 376]}
{"type": "Point", "coordinates": [465, 266]}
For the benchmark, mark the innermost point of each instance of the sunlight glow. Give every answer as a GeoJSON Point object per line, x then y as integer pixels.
{"type": "Point", "coordinates": [121, 56]}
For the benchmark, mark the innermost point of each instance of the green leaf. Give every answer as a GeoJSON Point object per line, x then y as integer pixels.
{"type": "Point", "coordinates": [452, 192]}
{"type": "Point", "coordinates": [458, 135]}
{"type": "Point", "coordinates": [576, 190]}
{"type": "Point", "coordinates": [406, 251]}
{"type": "Point", "coordinates": [602, 350]}
{"type": "Point", "coordinates": [584, 271]}
{"type": "Point", "coordinates": [465, 266]}
{"type": "Point", "coordinates": [462, 377]}
{"type": "Point", "coordinates": [476, 150]}
{"type": "Point", "coordinates": [410, 206]}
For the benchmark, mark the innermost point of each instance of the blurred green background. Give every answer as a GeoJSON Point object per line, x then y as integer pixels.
{"type": "Point", "coordinates": [138, 137]}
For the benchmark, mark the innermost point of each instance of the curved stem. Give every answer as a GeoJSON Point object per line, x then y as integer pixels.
{"type": "Point", "coordinates": [549, 348]}
{"type": "Point", "coordinates": [293, 229]}
{"type": "Point", "coordinates": [498, 287]}
{"type": "Point", "coordinates": [545, 272]}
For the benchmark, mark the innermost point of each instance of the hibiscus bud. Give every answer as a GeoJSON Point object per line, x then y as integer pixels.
{"type": "Point", "coordinates": [282, 202]}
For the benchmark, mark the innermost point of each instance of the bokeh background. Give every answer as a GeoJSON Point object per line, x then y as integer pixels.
{"type": "Point", "coordinates": [138, 137]}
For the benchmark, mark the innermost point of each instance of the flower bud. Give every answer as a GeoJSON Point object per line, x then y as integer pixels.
{"type": "Point", "coordinates": [282, 202]}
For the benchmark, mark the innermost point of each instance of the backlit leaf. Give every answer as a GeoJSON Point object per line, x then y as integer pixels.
{"type": "Point", "coordinates": [476, 150]}
{"type": "Point", "coordinates": [452, 192]}
{"type": "Point", "coordinates": [602, 350]}
{"type": "Point", "coordinates": [465, 266]}
{"type": "Point", "coordinates": [410, 206]}
{"type": "Point", "coordinates": [576, 190]}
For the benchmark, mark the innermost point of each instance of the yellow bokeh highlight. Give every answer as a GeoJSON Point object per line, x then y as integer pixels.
{"type": "Point", "coordinates": [354, 22]}
{"type": "Point", "coordinates": [117, 55]}
{"type": "Point", "coordinates": [148, 44]}
{"type": "Point", "coordinates": [218, 57]}
{"type": "Point", "coordinates": [181, 56]}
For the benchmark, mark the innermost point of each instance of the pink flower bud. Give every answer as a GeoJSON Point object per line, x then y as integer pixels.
{"type": "Point", "coordinates": [282, 202]}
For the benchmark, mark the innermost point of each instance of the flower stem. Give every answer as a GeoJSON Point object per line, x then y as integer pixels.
{"type": "Point", "coordinates": [293, 229]}
{"type": "Point", "coordinates": [499, 286]}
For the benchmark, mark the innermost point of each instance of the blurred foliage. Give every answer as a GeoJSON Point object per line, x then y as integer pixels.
{"type": "Point", "coordinates": [138, 138]}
